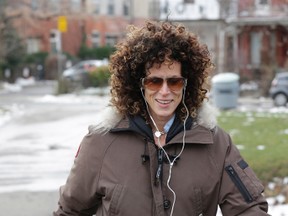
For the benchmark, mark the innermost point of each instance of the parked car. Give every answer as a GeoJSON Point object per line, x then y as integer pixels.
{"type": "Point", "coordinates": [79, 71]}
{"type": "Point", "coordinates": [279, 89]}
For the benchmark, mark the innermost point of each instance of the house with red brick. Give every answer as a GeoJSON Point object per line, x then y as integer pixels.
{"type": "Point", "coordinates": [62, 26]}
{"type": "Point", "coordinates": [100, 22]}
{"type": "Point", "coordinates": [256, 39]}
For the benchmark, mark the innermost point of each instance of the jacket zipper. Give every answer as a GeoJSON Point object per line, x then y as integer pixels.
{"type": "Point", "coordinates": [239, 184]}
{"type": "Point", "coordinates": [158, 174]}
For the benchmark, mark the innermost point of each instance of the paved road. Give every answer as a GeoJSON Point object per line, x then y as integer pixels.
{"type": "Point", "coordinates": [38, 144]}
{"type": "Point", "coordinates": [43, 130]}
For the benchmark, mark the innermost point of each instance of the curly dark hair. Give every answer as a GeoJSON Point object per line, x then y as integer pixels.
{"type": "Point", "coordinates": [158, 42]}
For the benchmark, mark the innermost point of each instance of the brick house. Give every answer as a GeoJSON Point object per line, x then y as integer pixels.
{"type": "Point", "coordinates": [102, 22]}
{"type": "Point", "coordinates": [256, 40]}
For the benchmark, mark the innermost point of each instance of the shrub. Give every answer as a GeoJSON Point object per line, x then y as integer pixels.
{"type": "Point", "coordinates": [95, 53]}
{"type": "Point", "coordinates": [35, 58]}
{"type": "Point", "coordinates": [99, 77]}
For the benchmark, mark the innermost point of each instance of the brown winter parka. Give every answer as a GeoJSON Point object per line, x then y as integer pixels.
{"type": "Point", "coordinates": [120, 171]}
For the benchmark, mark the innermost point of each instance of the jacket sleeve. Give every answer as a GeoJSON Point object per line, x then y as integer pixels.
{"type": "Point", "coordinates": [78, 196]}
{"type": "Point", "coordinates": [241, 190]}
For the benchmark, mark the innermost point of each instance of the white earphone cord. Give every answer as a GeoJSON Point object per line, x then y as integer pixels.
{"type": "Point", "coordinates": [172, 163]}
{"type": "Point", "coordinates": [182, 149]}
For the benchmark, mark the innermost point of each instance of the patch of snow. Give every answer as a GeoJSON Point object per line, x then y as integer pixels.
{"type": "Point", "coordinates": [240, 147]}
{"type": "Point", "coordinates": [261, 147]}
{"type": "Point", "coordinates": [8, 112]}
{"type": "Point", "coordinates": [25, 81]}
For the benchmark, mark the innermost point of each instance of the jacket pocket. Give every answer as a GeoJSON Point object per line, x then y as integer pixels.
{"type": "Point", "coordinates": [245, 180]}
{"type": "Point", "coordinates": [197, 202]}
{"type": "Point", "coordinates": [115, 200]}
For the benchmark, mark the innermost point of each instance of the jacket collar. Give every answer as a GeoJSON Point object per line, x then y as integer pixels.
{"type": "Point", "coordinates": [138, 124]}
{"type": "Point", "coordinates": [109, 118]}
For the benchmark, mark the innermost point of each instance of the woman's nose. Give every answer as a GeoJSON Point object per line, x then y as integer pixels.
{"type": "Point", "coordinates": [164, 88]}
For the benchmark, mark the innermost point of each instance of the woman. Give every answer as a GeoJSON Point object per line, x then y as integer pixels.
{"type": "Point", "coordinates": [157, 149]}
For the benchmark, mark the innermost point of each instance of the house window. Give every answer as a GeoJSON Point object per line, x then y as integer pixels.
{"type": "Point", "coordinates": [263, 2]}
{"type": "Point", "coordinates": [111, 40]}
{"type": "Point", "coordinates": [189, 1]}
{"type": "Point", "coordinates": [33, 45]}
{"type": "Point", "coordinates": [95, 39]}
{"type": "Point", "coordinates": [255, 49]}
{"type": "Point", "coordinates": [34, 4]}
{"type": "Point", "coordinates": [75, 5]}
{"type": "Point", "coordinates": [165, 7]}
{"type": "Point", "coordinates": [96, 10]}
{"type": "Point", "coordinates": [126, 8]}
{"type": "Point", "coordinates": [201, 9]}
{"type": "Point", "coordinates": [262, 7]}
{"type": "Point", "coordinates": [54, 6]}
{"type": "Point", "coordinates": [97, 6]}
{"type": "Point", "coordinates": [111, 7]}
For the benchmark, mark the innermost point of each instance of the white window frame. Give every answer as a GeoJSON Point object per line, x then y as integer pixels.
{"type": "Point", "coordinates": [111, 7]}
{"type": "Point", "coordinates": [189, 1]}
{"type": "Point", "coordinates": [111, 39]}
{"type": "Point", "coordinates": [262, 8]}
{"type": "Point", "coordinates": [126, 8]}
{"type": "Point", "coordinates": [33, 45]}
{"type": "Point", "coordinates": [255, 48]}
{"type": "Point", "coordinates": [95, 39]}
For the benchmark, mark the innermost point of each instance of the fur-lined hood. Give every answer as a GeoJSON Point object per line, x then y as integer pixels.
{"type": "Point", "coordinates": [109, 117]}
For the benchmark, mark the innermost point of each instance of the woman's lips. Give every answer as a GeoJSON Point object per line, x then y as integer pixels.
{"type": "Point", "coordinates": [164, 102]}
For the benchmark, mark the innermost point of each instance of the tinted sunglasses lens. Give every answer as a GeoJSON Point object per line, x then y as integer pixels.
{"type": "Point", "coordinates": [175, 83]}
{"type": "Point", "coordinates": [153, 83]}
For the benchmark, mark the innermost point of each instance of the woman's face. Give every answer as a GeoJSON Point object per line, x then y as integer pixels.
{"type": "Point", "coordinates": [163, 98]}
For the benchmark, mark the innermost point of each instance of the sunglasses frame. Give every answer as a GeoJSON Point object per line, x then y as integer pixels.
{"type": "Point", "coordinates": [184, 81]}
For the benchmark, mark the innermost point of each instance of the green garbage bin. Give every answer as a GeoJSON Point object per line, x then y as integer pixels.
{"type": "Point", "coordinates": [225, 90]}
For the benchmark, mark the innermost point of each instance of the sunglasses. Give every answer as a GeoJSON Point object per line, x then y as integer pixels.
{"type": "Point", "coordinates": [155, 83]}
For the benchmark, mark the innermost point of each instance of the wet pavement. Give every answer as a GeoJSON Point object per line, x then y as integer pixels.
{"type": "Point", "coordinates": [41, 134]}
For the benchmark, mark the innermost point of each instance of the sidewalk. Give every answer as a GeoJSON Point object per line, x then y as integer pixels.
{"type": "Point", "coordinates": [28, 203]}
{"type": "Point", "coordinates": [253, 103]}
{"type": "Point", "coordinates": [26, 86]}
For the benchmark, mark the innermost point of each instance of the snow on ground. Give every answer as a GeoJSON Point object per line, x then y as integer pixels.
{"type": "Point", "coordinates": [39, 142]}
{"type": "Point", "coordinates": [41, 154]}
{"type": "Point", "coordinates": [17, 86]}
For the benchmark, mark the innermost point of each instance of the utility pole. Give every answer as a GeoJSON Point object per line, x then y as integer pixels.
{"type": "Point", "coordinates": [62, 28]}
